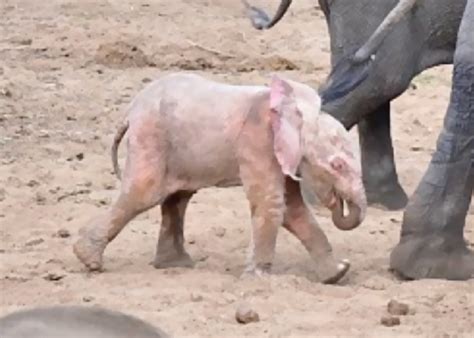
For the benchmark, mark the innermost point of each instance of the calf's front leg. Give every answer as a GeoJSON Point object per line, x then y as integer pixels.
{"type": "Point", "coordinates": [264, 187]}
{"type": "Point", "coordinates": [300, 222]}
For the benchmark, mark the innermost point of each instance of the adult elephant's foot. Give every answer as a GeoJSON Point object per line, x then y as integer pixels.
{"type": "Point", "coordinates": [389, 195]}
{"type": "Point", "coordinates": [434, 256]}
{"type": "Point", "coordinates": [432, 242]}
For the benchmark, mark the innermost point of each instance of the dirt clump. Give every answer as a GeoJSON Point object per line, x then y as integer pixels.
{"type": "Point", "coordinates": [120, 54]}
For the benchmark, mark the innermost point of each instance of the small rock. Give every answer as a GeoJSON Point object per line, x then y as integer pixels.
{"type": "Point", "coordinates": [101, 202]}
{"type": "Point", "coordinates": [87, 299]}
{"type": "Point", "coordinates": [192, 241]}
{"type": "Point", "coordinates": [32, 183]}
{"type": "Point", "coordinates": [390, 321]}
{"type": "Point", "coordinates": [245, 314]}
{"type": "Point", "coordinates": [376, 283]}
{"type": "Point", "coordinates": [109, 186]}
{"type": "Point", "coordinates": [25, 41]}
{"type": "Point", "coordinates": [34, 242]}
{"type": "Point", "coordinates": [63, 233]}
{"type": "Point", "coordinates": [398, 309]}
{"type": "Point", "coordinates": [79, 157]}
{"type": "Point", "coordinates": [438, 297]}
{"type": "Point", "coordinates": [55, 261]}
{"type": "Point", "coordinates": [40, 199]}
{"type": "Point", "coordinates": [43, 133]}
{"type": "Point", "coordinates": [219, 231]}
{"type": "Point", "coordinates": [16, 277]}
{"type": "Point", "coordinates": [54, 190]}
{"type": "Point", "coordinates": [202, 258]}
{"type": "Point", "coordinates": [196, 297]}
{"type": "Point", "coordinates": [229, 298]}
{"type": "Point", "coordinates": [6, 92]}
{"type": "Point", "coordinates": [53, 276]}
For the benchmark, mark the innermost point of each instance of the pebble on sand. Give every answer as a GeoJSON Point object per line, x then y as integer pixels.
{"type": "Point", "coordinates": [196, 297]}
{"type": "Point", "coordinates": [390, 321]}
{"type": "Point", "coordinates": [397, 309]}
{"type": "Point", "coordinates": [63, 233]}
{"type": "Point", "coordinates": [245, 314]}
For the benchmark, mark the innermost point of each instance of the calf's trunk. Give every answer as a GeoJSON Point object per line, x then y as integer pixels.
{"type": "Point", "coordinates": [352, 220]}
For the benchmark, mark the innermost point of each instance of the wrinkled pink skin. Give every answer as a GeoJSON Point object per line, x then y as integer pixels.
{"type": "Point", "coordinates": [186, 133]}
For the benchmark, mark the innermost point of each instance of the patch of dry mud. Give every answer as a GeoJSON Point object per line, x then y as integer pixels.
{"type": "Point", "coordinates": [68, 69]}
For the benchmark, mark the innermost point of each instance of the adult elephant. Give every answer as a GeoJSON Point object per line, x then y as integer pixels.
{"type": "Point", "coordinates": [432, 243]}
{"type": "Point", "coordinates": [406, 45]}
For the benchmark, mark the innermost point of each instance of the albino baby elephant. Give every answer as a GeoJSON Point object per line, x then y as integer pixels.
{"type": "Point", "coordinates": [186, 133]}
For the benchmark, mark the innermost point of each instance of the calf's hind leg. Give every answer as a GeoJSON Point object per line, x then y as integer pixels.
{"type": "Point", "coordinates": [142, 189]}
{"type": "Point", "coordinates": [170, 251]}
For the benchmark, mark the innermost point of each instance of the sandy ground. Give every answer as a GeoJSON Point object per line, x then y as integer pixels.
{"type": "Point", "coordinates": [67, 70]}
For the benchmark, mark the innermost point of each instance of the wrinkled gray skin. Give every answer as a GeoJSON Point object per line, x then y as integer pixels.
{"type": "Point", "coordinates": [432, 243]}
{"type": "Point", "coordinates": [74, 322]}
{"type": "Point", "coordinates": [427, 37]}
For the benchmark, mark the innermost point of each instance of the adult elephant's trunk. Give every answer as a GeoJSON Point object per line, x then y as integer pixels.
{"type": "Point", "coordinates": [353, 219]}
{"type": "Point", "coordinates": [260, 19]}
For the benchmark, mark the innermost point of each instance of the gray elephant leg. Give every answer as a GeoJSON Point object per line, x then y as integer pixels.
{"type": "Point", "coordinates": [378, 164]}
{"type": "Point", "coordinates": [432, 243]}
{"type": "Point", "coordinates": [170, 250]}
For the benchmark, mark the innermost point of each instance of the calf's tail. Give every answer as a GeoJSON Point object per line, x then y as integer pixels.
{"type": "Point", "coordinates": [122, 129]}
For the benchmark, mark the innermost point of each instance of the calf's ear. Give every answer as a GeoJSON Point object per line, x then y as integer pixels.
{"type": "Point", "coordinates": [286, 123]}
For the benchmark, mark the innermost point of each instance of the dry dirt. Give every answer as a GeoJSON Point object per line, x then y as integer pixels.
{"type": "Point", "coordinates": [67, 70]}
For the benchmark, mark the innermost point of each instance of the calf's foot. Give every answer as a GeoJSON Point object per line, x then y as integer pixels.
{"type": "Point", "coordinates": [330, 271]}
{"type": "Point", "coordinates": [90, 252]}
{"type": "Point", "coordinates": [257, 270]}
{"type": "Point", "coordinates": [173, 260]}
